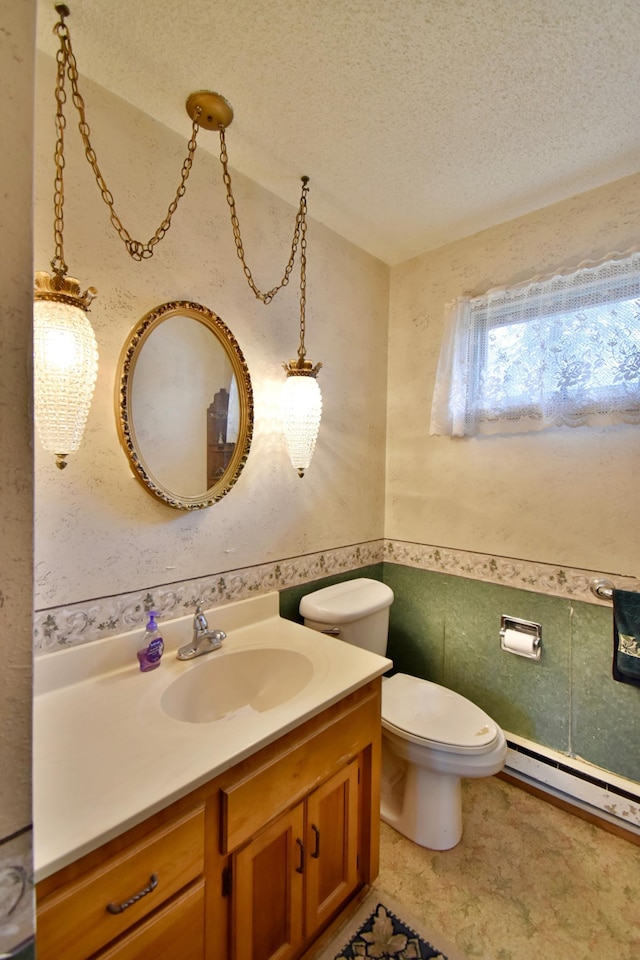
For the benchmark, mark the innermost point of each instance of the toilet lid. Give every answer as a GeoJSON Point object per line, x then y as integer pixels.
{"type": "Point", "coordinates": [432, 712]}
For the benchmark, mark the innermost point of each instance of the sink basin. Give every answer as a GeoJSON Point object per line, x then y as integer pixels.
{"type": "Point", "coordinates": [228, 685]}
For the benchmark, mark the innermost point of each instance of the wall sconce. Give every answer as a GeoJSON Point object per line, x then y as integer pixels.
{"type": "Point", "coordinates": [301, 404]}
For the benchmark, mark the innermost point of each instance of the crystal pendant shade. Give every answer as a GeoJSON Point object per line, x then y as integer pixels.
{"type": "Point", "coordinates": [301, 413]}
{"type": "Point", "coordinates": [65, 368]}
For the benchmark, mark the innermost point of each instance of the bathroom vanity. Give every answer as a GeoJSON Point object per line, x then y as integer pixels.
{"type": "Point", "coordinates": [238, 837]}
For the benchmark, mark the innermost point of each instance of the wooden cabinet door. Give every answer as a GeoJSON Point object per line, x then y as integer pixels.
{"type": "Point", "coordinates": [332, 842]}
{"type": "Point", "coordinates": [267, 896]}
{"type": "Point", "coordinates": [174, 932]}
{"type": "Point", "coordinates": [99, 905]}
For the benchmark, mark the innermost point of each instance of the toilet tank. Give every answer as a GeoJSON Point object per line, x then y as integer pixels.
{"type": "Point", "coordinates": [358, 609]}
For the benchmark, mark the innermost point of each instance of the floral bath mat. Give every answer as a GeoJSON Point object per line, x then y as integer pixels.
{"type": "Point", "coordinates": [382, 929]}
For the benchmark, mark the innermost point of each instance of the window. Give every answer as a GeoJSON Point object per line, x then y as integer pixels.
{"type": "Point", "coordinates": [562, 351]}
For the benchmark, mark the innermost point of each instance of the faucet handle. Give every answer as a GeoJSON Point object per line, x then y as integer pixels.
{"type": "Point", "coordinates": [200, 624]}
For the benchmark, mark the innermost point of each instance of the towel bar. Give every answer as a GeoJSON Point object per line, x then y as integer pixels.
{"type": "Point", "coordinates": [602, 589]}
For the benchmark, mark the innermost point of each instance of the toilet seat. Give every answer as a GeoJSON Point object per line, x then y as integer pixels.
{"type": "Point", "coordinates": [426, 713]}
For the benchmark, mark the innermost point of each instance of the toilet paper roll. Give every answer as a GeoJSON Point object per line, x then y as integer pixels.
{"type": "Point", "coordinates": [524, 644]}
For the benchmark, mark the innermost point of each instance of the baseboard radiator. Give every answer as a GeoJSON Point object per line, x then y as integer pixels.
{"type": "Point", "coordinates": [582, 784]}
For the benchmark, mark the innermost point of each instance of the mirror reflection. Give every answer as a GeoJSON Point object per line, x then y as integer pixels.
{"type": "Point", "coordinates": [185, 405]}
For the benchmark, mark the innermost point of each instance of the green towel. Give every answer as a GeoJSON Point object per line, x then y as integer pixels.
{"type": "Point", "coordinates": [626, 636]}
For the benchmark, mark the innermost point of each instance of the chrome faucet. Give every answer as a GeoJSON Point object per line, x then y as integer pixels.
{"type": "Point", "coordinates": [204, 640]}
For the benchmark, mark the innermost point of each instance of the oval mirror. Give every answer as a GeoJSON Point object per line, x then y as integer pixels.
{"type": "Point", "coordinates": [184, 405]}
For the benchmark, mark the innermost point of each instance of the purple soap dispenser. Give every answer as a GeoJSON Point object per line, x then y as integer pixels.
{"type": "Point", "coordinates": [150, 653]}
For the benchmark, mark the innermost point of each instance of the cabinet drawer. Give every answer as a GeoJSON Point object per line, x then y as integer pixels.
{"type": "Point", "coordinates": [75, 922]}
{"type": "Point", "coordinates": [252, 802]}
{"type": "Point", "coordinates": [175, 932]}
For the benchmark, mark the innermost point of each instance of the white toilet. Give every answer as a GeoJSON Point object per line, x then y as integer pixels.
{"type": "Point", "coordinates": [431, 736]}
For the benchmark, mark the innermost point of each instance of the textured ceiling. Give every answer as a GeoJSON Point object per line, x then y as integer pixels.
{"type": "Point", "coordinates": [418, 121]}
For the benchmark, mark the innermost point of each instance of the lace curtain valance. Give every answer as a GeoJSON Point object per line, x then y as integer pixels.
{"type": "Point", "coordinates": [560, 351]}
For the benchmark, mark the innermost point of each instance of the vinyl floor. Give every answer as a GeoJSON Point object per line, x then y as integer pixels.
{"type": "Point", "coordinates": [528, 881]}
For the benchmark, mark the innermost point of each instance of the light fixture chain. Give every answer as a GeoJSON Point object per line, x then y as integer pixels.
{"type": "Point", "coordinates": [303, 273]}
{"type": "Point", "coordinates": [235, 225]}
{"type": "Point", "coordinates": [58, 263]}
{"type": "Point", "coordinates": [136, 249]}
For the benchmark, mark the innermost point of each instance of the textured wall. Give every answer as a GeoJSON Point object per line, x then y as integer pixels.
{"type": "Point", "coordinates": [16, 511]}
{"type": "Point", "coordinates": [98, 532]}
{"type": "Point", "coordinates": [564, 496]}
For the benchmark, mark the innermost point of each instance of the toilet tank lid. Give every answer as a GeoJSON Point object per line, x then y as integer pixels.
{"type": "Point", "coordinates": [346, 601]}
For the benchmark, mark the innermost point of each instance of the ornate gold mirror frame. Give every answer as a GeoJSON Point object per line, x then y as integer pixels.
{"type": "Point", "coordinates": [191, 362]}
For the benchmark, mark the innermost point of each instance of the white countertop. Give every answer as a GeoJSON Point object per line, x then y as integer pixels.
{"type": "Point", "coordinates": [106, 756]}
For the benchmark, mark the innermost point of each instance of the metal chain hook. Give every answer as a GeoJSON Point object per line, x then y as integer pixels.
{"type": "Point", "coordinates": [67, 64]}
{"type": "Point", "coordinates": [303, 269]}
{"type": "Point", "coordinates": [58, 263]}
{"type": "Point", "coordinates": [235, 226]}
{"type": "Point", "coordinates": [138, 250]}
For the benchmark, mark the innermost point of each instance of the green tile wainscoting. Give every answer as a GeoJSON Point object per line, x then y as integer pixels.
{"type": "Point", "coordinates": [445, 628]}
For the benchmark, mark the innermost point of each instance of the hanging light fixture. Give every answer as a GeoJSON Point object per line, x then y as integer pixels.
{"type": "Point", "coordinates": [65, 349]}
{"type": "Point", "coordinates": [65, 352]}
{"type": "Point", "coordinates": [301, 406]}
{"type": "Point", "coordinates": [301, 397]}
{"type": "Point", "coordinates": [65, 357]}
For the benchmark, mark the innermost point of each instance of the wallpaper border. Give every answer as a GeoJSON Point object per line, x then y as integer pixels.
{"type": "Point", "coordinates": [550, 579]}
{"type": "Point", "coordinates": [73, 624]}
{"type": "Point", "coordinates": [59, 627]}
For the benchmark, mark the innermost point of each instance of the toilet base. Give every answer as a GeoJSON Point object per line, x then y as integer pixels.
{"type": "Point", "coordinates": [424, 806]}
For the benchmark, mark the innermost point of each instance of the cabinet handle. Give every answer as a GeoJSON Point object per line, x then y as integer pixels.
{"type": "Point", "coordinates": [121, 907]}
{"type": "Point", "coordinates": [316, 852]}
{"type": "Point", "coordinates": [300, 867]}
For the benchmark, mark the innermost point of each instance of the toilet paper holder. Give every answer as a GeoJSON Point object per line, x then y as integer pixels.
{"type": "Point", "coordinates": [522, 637]}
